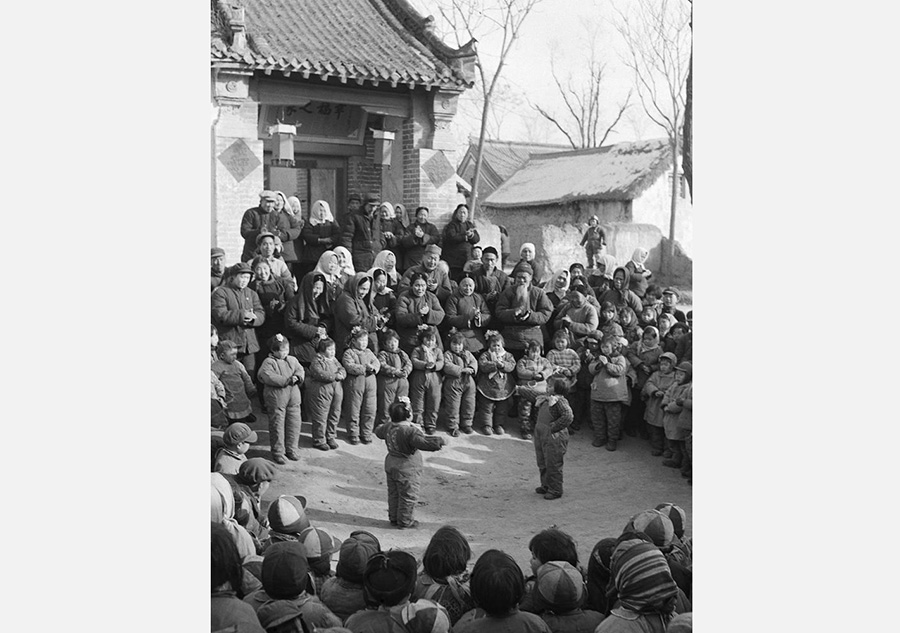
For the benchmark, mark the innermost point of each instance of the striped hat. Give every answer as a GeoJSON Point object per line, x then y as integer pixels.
{"type": "Point", "coordinates": [425, 616]}
{"type": "Point", "coordinates": [654, 524]}
{"type": "Point", "coordinates": [676, 515]}
{"type": "Point", "coordinates": [287, 515]}
{"type": "Point", "coordinates": [355, 553]}
{"type": "Point", "coordinates": [642, 578]}
{"type": "Point", "coordinates": [318, 543]}
{"type": "Point", "coordinates": [560, 585]}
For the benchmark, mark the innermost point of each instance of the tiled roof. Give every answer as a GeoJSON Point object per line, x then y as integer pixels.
{"type": "Point", "coordinates": [613, 172]}
{"type": "Point", "coordinates": [506, 157]}
{"type": "Point", "coordinates": [357, 41]}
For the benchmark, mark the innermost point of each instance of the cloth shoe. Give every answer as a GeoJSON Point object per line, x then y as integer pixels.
{"type": "Point", "coordinates": [411, 526]}
{"type": "Point", "coordinates": [332, 444]}
{"type": "Point", "coordinates": [656, 452]}
{"type": "Point", "coordinates": [294, 457]}
{"type": "Point", "coordinates": [499, 430]}
{"type": "Point", "coordinates": [353, 440]}
{"type": "Point", "coordinates": [429, 430]}
{"type": "Point", "coordinates": [487, 430]}
{"type": "Point", "coordinates": [611, 445]}
{"type": "Point", "coordinates": [321, 447]}
{"type": "Point", "coordinates": [541, 490]}
{"type": "Point", "coordinates": [467, 430]}
{"type": "Point", "coordinates": [365, 440]}
{"type": "Point", "coordinates": [552, 495]}
{"type": "Point", "coordinates": [527, 436]}
{"type": "Point", "coordinates": [279, 459]}
{"type": "Point", "coordinates": [598, 442]}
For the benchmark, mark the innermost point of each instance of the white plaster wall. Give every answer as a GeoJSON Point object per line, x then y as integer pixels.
{"type": "Point", "coordinates": [653, 207]}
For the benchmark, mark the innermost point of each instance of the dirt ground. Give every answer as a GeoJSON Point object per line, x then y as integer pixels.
{"type": "Point", "coordinates": [482, 485]}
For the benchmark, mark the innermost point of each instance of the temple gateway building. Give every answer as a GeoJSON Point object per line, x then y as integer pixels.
{"type": "Point", "coordinates": [324, 99]}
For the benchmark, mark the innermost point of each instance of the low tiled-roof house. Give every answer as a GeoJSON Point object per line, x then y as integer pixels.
{"type": "Point", "coordinates": [500, 160]}
{"type": "Point", "coordinates": [627, 186]}
{"type": "Point", "coordinates": [327, 98]}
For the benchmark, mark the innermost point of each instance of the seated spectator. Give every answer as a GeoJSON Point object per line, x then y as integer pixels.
{"type": "Point", "coordinates": [389, 581]}
{"type": "Point", "coordinates": [545, 546]}
{"type": "Point", "coordinates": [559, 589]}
{"type": "Point", "coordinates": [319, 546]}
{"type": "Point", "coordinates": [444, 578]}
{"type": "Point", "coordinates": [437, 281]}
{"type": "Point", "coordinates": [229, 612]}
{"type": "Point", "coordinates": [344, 592]}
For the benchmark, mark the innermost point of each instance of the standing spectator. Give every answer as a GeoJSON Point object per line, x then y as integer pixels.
{"type": "Point", "coordinates": [355, 308]}
{"type": "Point", "coordinates": [325, 395]}
{"type": "Point", "coordinates": [653, 391]}
{"type": "Point", "coordinates": [419, 235]}
{"type": "Point", "coordinates": [282, 376]}
{"type": "Point", "coordinates": [468, 312]}
{"type": "Point", "coordinates": [274, 295]}
{"type": "Point", "coordinates": [320, 234]}
{"type": "Point", "coordinates": [392, 229]}
{"type": "Point", "coordinates": [495, 385]}
{"type": "Point", "coordinates": [236, 312]}
{"type": "Point", "coordinates": [458, 390]}
{"type": "Point", "coordinates": [636, 265]}
{"type": "Point", "coordinates": [673, 406]}
{"type": "Point", "coordinates": [309, 317]}
{"type": "Point", "coordinates": [425, 379]}
{"type": "Point", "coordinates": [459, 236]}
{"type": "Point", "coordinates": [437, 280]}
{"type": "Point", "coordinates": [360, 387]}
{"type": "Point", "coordinates": [609, 393]}
{"type": "Point", "coordinates": [362, 234]}
{"type": "Point", "coordinates": [620, 295]}
{"type": "Point", "coordinates": [265, 219]}
{"type": "Point", "coordinates": [490, 281]}
{"type": "Point", "coordinates": [523, 309]}
{"type": "Point", "coordinates": [217, 267]}
{"type": "Point", "coordinates": [594, 239]}
{"type": "Point", "coordinates": [265, 251]}
{"type": "Point", "coordinates": [528, 255]}
{"type": "Point", "coordinates": [403, 464]}
{"type": "Point", "coordinates": [504, 246]}
{"type": "Point", "coordinates": [239, 387]}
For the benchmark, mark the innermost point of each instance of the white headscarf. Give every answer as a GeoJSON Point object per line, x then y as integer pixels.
{"type": "Point", "coordinates": [348, 260]}
{"type": "Point", "coordinates": [221, 498]}
{"type": "Point", "coordinates": [528, 245]}
{"type": "Point", "coordinates": [294, 207]}
{"type": "Point", "coordinates": [390, 211]}
{"type": "Point", "coordinates": [320, 213]}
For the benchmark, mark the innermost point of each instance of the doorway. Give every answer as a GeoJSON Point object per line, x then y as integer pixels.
{"type": "Point", "coordinates": [311, 178]}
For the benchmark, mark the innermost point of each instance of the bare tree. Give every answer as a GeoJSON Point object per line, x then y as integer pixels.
{"type": "Point", "coordinates": [688, 152]}
{"type": "Point", "coordinates": [658, 41]}
{"type": "Point", "coordinates": [474, 19]}
{"type": "Point", "coordinates": [583, 104]}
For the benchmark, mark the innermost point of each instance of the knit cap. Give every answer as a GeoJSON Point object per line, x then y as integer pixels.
{"type": "Point", "coordinates": [390, 576]}
{"type": "Point", "coordinates": [318, 543]}
{"type": "Point", "coordinates": [285, 571]}
{"type": "Point", "coordinates": [425, 616]}
{"type": "Point", "coordinates": [654, 524]}
{"type": "Point", "coordinates": [287, 515]}
{"type": "Point", "coordinates": [676, 515]}
{"type": "Point", "coordinates": [355, 553]}
{"type": "Point", "coordinates": [560, 585]}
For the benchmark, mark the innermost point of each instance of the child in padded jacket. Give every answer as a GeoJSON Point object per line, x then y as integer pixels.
{"type": "Point", "coordinates": [325, 394]}
{"type": "Point", "coordinates": [403, 464]}
{"type": "Point", "coordinates": [360, 389]}
{"type": "Point", "coordinates": [494, 386]}
{"type": "Point", "coordinates": [532, 372]}
{"type": "Point", "coordinates": [652, 393]}
{"type": "Point", "coordinates": [392, 379]}
{"type": "Point", "coordinates": [425, 380]}
{"type": "Point", "coordinates": [672, 405]}
{"type": "Point", "coordinates": [609, 393]}
{"type": "Point", "coordinates": [458, 391]}
{"type": "Point", "coordinates": [282, 376]}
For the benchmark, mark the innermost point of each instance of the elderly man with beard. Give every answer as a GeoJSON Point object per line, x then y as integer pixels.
{"type": "Point", "coordinates": [437, 280]}
{"type": "Point", "coordinates": [523, 308]}
{"type": "Point", "coordinates": [266, 219]}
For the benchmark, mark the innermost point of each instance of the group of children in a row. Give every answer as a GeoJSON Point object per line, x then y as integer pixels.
{"type": "Point", "coordinates": [271, 570]}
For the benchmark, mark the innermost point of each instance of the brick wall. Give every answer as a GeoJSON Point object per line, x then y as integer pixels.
{"type": "Point", "coordinates": [363, 175]}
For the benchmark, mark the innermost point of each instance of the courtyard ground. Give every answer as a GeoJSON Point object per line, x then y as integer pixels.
{"type": "Point", "coordinates": [482, 485]}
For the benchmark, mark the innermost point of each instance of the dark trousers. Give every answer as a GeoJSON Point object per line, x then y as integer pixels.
{"type": "Point", "coordinates": [657, 438]}
{"type": "Point", "coordinates": [490, 412]}
{"type": "Point", "coordinates": [606, 418]}
{"type": "Point", "coordinates": [549, 449]}
{"type": "Point", "coordinates": [403, 489]}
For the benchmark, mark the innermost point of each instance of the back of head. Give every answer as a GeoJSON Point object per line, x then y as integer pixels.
{"type": "Point", "coordinates": [676, 515]}
{"type": "Point", "coordinates": [285, 572]}
{"type": "Point", "coordinates": [654, 524]}
{"type": "Point", "coordinates": [642, 579]}
{"type": "Point", "coordinates": [287, 515]}
{"type": "Point", "coordinates": [560, 586]}
{"type": "Point", "coordinates": [497, 583]}
{"type": "Point", "coordinates": [390, 577]}
{"type": "Point", "coordinates": [447, 553]}
{"type": "Point", "coordinates": [356, 551]}
{"type": "Point", "coordinates": [425, 616]}
{"type": "Point", "coordinates": [554, 544]}
{"type": "Point", "coordinates": [226, 562]}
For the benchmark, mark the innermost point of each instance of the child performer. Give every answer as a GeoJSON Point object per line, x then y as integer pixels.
{"type": "Point", "coordinates": [403, 463]}
{"type": "Point", "coordinates": [551, 438]}
{"type": "Point", "coordinates": [282, 376]}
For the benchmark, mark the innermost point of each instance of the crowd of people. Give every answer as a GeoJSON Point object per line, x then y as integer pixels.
{"type": "Point", "coordinates": [273, 572]}
{"type": "Point", "coordinates": [333, 323]}
{"type": "Point", "coordinates": [392, 329]}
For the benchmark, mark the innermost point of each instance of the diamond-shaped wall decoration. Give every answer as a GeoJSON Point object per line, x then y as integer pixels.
{"type": "Point", "coordinates": [438, 169]}
{"type": "Point", "coordinates": [239, 160]}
